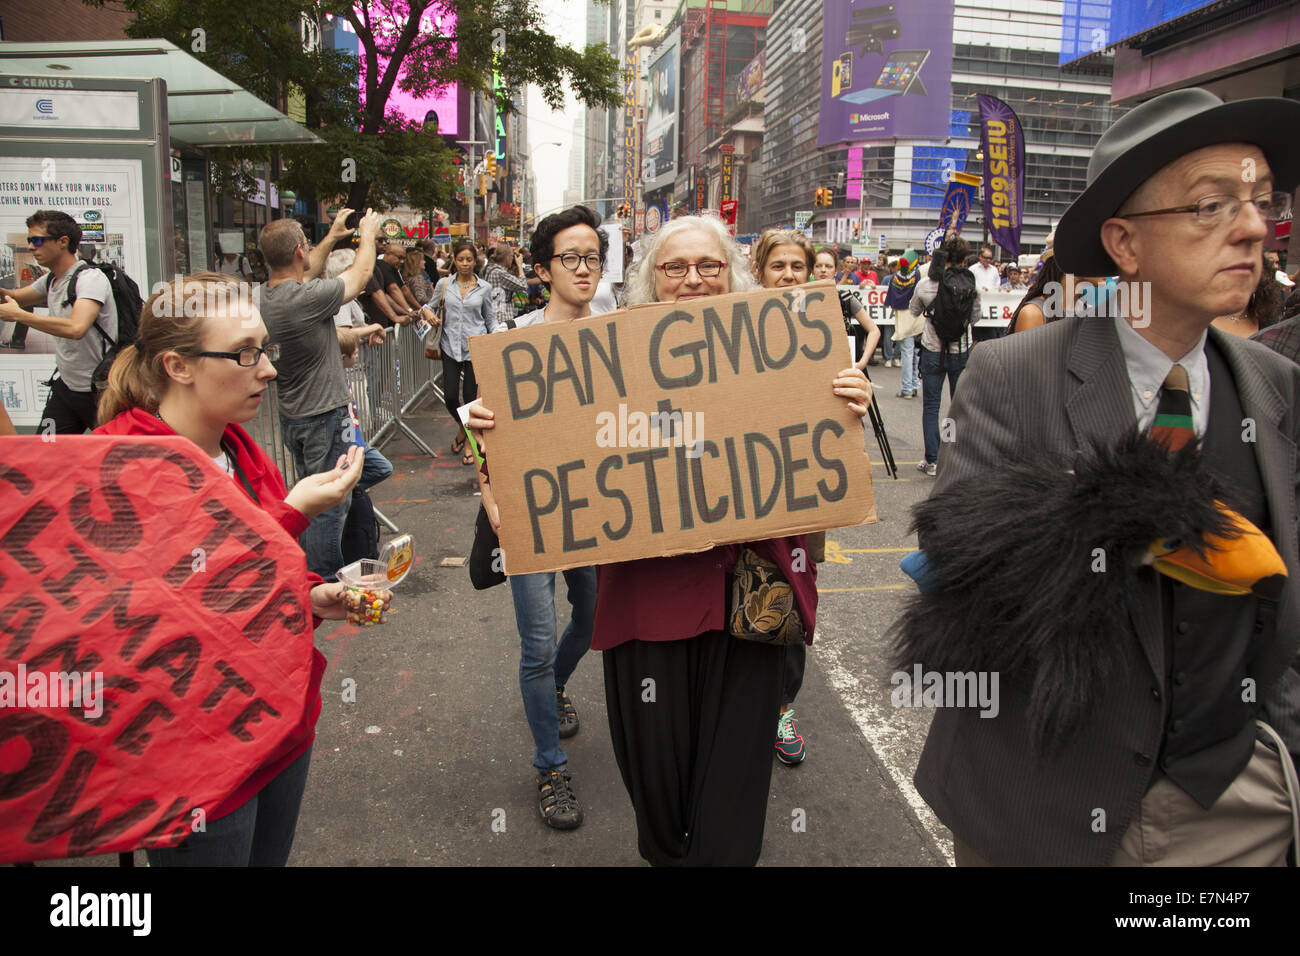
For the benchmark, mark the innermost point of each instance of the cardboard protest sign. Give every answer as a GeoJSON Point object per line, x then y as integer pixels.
{"type": "Point", "coordinates": [155, 642]}
{"type": "Point", "coordinates": [671, 428]}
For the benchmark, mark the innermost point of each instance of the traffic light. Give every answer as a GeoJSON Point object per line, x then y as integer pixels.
{"type": "Point", "coordinates": [817, 198]}
{"type": "Point", "coordinates": [856, 226]}
{"type": "Point", "coordinates": [830, 196]}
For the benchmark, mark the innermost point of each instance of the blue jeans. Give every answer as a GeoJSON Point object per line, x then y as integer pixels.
{"type": "Point", "coordinates": [377, 468]}
{"type": "Point", "coordinates": [544, 666]}
{"type": "Point", "coordinates": [888, 351]}
{"type": "Point", "coordinates": [316, 444]}
{"type": "Point", "coordinates": [907, 355]}
{"type": "Point", "coordinates": [260, 833]}
{"type": "Point", "coordinates": [933, 372]}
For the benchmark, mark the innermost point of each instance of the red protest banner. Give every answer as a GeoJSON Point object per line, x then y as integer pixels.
{"type": "Point", "coordinates": [155, 642]}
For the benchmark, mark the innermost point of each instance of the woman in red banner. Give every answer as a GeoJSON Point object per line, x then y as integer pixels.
{"type": "Point", "coordinates": [690, 707]}
{"type": "Point", "coordinates": [200, 376]}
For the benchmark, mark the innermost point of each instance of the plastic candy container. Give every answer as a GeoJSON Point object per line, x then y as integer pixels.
{"type": "Point", "coordinates": [367, 579]}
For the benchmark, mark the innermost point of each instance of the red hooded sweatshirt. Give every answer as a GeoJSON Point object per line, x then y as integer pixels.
{"type": "Point", "coordinates": [267, 482]}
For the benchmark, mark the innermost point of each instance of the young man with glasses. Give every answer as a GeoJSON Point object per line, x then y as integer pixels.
{"type": "Point", "coordinates": [82, 329]}
{"type": "Point", "coordinates": [568, 252]}
{"type": "Point", "coordinates": [1149, 705]}
{"type": "Point", "coordinates": [298, 309]}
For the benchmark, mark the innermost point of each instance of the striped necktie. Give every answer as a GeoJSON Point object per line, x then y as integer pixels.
{"type": "Point", "coordinates": [1173, 426]}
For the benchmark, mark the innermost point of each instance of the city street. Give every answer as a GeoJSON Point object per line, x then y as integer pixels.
{"type": "Point", "coordinates": [433, 762]}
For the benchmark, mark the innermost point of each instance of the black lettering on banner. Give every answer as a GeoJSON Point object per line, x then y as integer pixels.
{"type": "Point", "coordinates": [648, 459]}
{"type": "Point", "coordinates": [533, 376]}
{"type": "Point", "coordinates": [708, 514]}
{"type": "Point", "coordinates": [133, 739]}
{"type": "Point", "coordinates": [220, 593]}
{"type": "Point", "coordinates": [808, 322]}
{"type": "Point", "coordinates": [55, 817]}
{"type": "Point", "coordinates": [569, 505]}
{"type": "Point", "coordinates": [17, 478]}
{"type": "Point", "coordinates": [16, 540]}
{"type": "Point", "coordinates": [283, 607]}
{"type": "Point", "coordinates": [179, 658]}
{"type": "Point", "coordinates": [734, 464]}
{"type": "Point", "coordinates": [557, 371]}
{"type": "Point", "coordinates": [830, 464]}
{"type": "Point", "coordinates": [231, 678]}
{"type": "Point", "coordinates": [111, 703]}
{"type": "Point", "coordinates": [792, 465]}
{"type": "Point", "coordinates": [167, 826]}
{"type": "Point", "coordinates": [31, 610]}
{"type": "Point", "coordinates": [588, 343]}
{"type": "Point", "coordinates": [602, 471]}
{"type": "Point", "coordinates": [251, 715]}
{"type": "Point", "coordinates": [777, 305]}
{"type": "Point", "coordinates": [66, 651]}
{"type": "Point", "coordinates": [47, 743]}
{"type": "Point", "coordinates": [762, 506]}
{"type": "Point", "coordinates": [740, 320]}
{"type": "Point", "coordinates": [671, 425]}
{"type": "Point", "coordinates": [122, 532]}
{"type": "Point", "coordinates": [225, 525]}
{"type": "Point", "coordinates": [692, 349]}
{"type": "Point", "coordinates": [534, 510]}
{"type": "Point", "coordinates": [140, 626]}
{"type": "Point", "coordinates": [83, 566]}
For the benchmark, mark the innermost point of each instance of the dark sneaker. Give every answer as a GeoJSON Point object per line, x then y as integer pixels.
{"type": "Point", "coordinates": [789, 745]}
{"type": "Point", "coordinates": [567, 714]}
{"type": "Point", "coordinates": [556, 800]}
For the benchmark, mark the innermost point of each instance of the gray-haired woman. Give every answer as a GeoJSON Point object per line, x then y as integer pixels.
{"type": "Point", "coordinates": [697, 763]}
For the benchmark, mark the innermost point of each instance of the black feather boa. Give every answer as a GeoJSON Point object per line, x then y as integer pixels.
{"type": "Point", "coordinates": [1015, 551]}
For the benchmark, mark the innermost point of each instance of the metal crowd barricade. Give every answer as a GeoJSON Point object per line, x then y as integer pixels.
{"type": "Point", "coordinates": [387, 382]}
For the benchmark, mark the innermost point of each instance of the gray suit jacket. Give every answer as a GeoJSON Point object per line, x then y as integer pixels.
{"type": "Point", "coordinates": [1059, 387]}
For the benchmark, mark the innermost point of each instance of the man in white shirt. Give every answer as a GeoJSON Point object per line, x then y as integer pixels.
{"type": "Point", "coordinates": [986, 274]}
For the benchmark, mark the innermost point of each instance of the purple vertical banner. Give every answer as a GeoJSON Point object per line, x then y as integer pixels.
{"type": "Point", "coordinates": [1003, 142]}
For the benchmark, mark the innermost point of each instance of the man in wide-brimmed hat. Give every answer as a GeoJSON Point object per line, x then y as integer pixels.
{"type": "Point", "coordinates": [1149, 694]}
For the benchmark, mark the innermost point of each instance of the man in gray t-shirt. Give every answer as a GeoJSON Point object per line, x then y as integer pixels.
{"type": "Point", "coordinates": [298, 309]}
{"type": "Point", "coordinates": [53, 238]}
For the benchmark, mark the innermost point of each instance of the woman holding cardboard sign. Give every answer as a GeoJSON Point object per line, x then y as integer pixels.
{"type": "Point", "coordinates": [690, 706]}
{"type": "Point", "coordinates": [200, 376]}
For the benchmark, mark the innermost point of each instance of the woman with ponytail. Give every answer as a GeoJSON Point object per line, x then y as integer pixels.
{"type": "Point", "coordinates": [200, 372]}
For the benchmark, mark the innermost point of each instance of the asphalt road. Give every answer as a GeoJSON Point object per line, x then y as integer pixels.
{"type": "Point", "coordinates": [432, 763]}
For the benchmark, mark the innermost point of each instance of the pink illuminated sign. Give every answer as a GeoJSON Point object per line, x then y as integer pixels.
{"type": "Point", "coordinates": [413, 108]}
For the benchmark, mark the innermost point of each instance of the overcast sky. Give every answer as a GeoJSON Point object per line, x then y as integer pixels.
{"type": "Point", "coordinates": [566, 19]}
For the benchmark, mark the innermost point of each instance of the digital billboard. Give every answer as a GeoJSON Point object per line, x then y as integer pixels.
{"type": "Point", "coordinates": [1090, 26]}
{"type": "Point", "coordinates": [661, 125]}
{"type": "Point", "coordinates": [417, 109]}
{"type": "Point", "coordinates": [886, 70]}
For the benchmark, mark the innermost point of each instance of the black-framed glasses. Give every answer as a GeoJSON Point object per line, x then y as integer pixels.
{"type": "Point", "coordinates": [1222, 208]}
{"type": "Point", "coordinates": [570, 261]}
{"type": "Point", "coordinates": [36, 241]}
{"type": "Point", "coordinates": [248, 356]}
{"type": "Point", "coordinates": [705, 268]}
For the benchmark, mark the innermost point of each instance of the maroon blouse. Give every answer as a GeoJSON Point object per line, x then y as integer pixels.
{"type": "Point", "coordinates": [672, 599]}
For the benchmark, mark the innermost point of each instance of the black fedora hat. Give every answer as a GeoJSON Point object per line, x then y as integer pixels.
{"type": "Point", "coordinates": [1150, 137]}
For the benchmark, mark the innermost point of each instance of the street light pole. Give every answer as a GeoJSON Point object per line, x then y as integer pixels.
{"type": "Point", "coordinates": [523, 191]}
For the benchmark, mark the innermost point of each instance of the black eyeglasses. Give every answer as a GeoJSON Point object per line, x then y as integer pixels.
{"type": "Point", "coordinates": [570, 261]}
{"type": "Point", "coordinates": [1221, 208]}
{"type": "Point", "coordinates": [249, 356]}
{"type": "Point", "coordinates": [705, 268]}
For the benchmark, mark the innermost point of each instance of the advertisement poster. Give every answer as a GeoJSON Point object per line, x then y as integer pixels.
{"type": "Point", "coordinates": [728, 167]}
{"type": "Point", "coordinates": [886, 70]}
{"type": "Point", "coordinates": [1003, 141]}
{"type": "Point", "coordinates": [103, 194]}
{"type": "Point", "coordinates": [661, 128]}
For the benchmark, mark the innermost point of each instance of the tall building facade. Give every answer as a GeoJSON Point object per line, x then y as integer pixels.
{"type": "Point", "coordinates": [1001, 47]}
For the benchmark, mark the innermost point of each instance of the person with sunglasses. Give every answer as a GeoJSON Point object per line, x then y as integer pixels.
{"type": "Point", "coordinates": [201, 376]}
{"type": "Point", "coordinates": [569, 250]}
{"type": "Point", "coordinates": [81, 329]}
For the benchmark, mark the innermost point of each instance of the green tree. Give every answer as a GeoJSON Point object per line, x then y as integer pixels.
{"type": "Point", "coordinates": [370, 153]}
